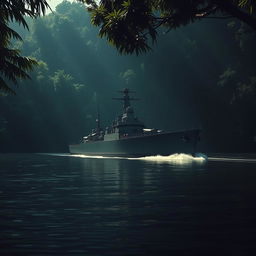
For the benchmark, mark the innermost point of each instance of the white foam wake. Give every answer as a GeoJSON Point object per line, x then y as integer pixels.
{"type": "Point", "coordinates": [83, 156]}
{"type": "Point", "coordinates": [175, 158]}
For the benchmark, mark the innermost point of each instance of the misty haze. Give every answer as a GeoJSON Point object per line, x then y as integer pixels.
{"type": "Point", "coordinates": [127, 127]}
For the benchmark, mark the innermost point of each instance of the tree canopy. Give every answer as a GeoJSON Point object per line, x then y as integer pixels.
{"type": "Point", "coordinates": [127, 24]}
{"type": "Point", "coordinates": [130, 24]}
{"type": "Point", "coordinates": [12, 65]}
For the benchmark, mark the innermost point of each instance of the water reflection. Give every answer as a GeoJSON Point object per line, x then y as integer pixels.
{"type": "Point", "coordinates": [52, 205]}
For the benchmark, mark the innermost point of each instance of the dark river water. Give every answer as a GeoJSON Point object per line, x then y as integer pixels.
{"type": "Point", "coordinates": [178, 205]}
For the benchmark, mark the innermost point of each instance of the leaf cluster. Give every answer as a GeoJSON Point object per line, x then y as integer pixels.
{"type": "Point", "coordinates": [113, 18]}
{"type": "Point", "coordinates": [129, 25]}
{"type": "Point", "coordinates": [12, 65]}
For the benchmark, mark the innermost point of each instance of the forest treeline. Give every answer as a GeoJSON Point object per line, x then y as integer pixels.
{"type": "Point", "coordinates": [202, 75]}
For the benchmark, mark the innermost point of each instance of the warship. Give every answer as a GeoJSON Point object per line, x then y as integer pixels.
{"type": "Point", "coordinates": [128, 137]}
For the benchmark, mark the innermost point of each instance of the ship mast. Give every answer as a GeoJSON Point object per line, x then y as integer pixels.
{"type": "Point", "coordinates": [126, 98]}
{"type": "Point", "coordinates": [98, 128]}
{"type": "Point", "coordinates": [98, 118]}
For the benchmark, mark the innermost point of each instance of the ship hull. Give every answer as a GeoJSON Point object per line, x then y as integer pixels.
{"type": "Point", "coordinates": [165, 143]}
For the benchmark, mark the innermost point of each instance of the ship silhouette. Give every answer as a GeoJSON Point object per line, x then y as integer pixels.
{"type": "Point", "coordinates": [128, 136]}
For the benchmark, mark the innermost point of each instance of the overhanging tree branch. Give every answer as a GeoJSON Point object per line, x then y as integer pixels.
{"type": "Point", "coordinates": [145, 17]}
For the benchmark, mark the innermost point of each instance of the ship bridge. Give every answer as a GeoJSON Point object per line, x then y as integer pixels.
{"type": "Point", "coordinates": [127, 124]}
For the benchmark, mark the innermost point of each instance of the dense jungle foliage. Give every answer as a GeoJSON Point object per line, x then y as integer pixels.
{"type": "Point", "coordinates": [14, 66]}
{"type": "Point", "coordinates": [202, 75]}
{"type": "Point", "coordinates": [130, 24]}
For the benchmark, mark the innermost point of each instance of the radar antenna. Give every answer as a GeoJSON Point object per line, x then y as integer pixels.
{"type": "Point", "coordinates": [126, 98]}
